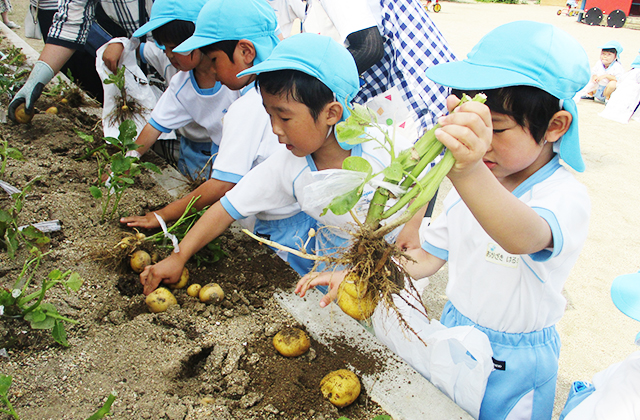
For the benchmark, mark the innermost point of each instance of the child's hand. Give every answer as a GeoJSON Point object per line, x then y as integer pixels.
{"type": "Point", "coordinates": [111, 56]}
{"type": "Point", "coordinates": [167, 271]}
{"type": "Point", "coordinates": [148, 221]}
{"type": "Point", "coordinates": [331, 279]}
{"type": "Point", "coordinates": [467, 131]}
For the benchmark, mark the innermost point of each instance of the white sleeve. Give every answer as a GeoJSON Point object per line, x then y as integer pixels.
{"type": "Point", "coordinates": [154, 56]}
{"type": "Point", "coordinates": [349, 16]}
{"type": "Point", "coordinates": [169, 114]}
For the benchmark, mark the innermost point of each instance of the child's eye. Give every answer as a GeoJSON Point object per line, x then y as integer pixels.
{"type": "Point", "coordinates": [499, 131]}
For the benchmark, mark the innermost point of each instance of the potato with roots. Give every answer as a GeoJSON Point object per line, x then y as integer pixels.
{"type": "Point", "coordinates": [160, 299]}
{"type": "Point", "coordinates": [341, 387]}
{"type": "Point", "coordinates": [355, 301]}
{"type": "Point", "coordinates": [291, 342]}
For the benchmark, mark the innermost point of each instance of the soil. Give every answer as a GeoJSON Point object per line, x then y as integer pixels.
{"type": "Point", "coordinates": [194, 361]}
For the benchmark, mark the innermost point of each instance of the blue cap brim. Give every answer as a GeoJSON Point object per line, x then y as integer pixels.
{"type": "Point", "coordinates": [151, 25]}
{"type": "Point", "coordinates": [275, 64]}
{"type": "Point", "coordinates": [625, 294]}
{"type": "Point", "coordinates": [193, 43]}
{"type": "Point", "coordinates": [468, 76]}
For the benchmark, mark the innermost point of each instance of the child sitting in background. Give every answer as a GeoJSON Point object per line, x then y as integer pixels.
{"type": "Point", "coordinates": [242, 35]}
{"type": "Point", "coordinates": [624, 99]}
{"type": "Point", "coordinates": [304, 85]}
{"type": "Point", "coordinates": [515, 223]}
{"type": "Point", "coordinates": [603, 72]}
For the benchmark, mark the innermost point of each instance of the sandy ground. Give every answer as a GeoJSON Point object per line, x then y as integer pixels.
{"type": "Point", "coordinates": [594, 333]}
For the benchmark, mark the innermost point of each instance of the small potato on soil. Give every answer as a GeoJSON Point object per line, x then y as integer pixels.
{"type": "Point", "coordinates": [211, 293]}
{"type": "Point", "coordinates": [51, 110]}
{"type": "Point", "coordinates": [341, 387]}
{"type": "Point", "coordinates": [139, 260]}
{"type": "Point", "coordinates": [291, 342]}
{"type": "Point", "coordinates": [21, 116]}
{"type": "Point", "coordinates": [354, 302]}
{"type": "Point", "coordinates": [160, 299]}
{"type": "Point", "coordinates": [184, 279]}
{"type": "Point", "coordinates": [194, 290]}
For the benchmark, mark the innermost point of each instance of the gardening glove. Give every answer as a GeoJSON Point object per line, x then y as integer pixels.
{"type": "Point", "coordinates": [41, 74]}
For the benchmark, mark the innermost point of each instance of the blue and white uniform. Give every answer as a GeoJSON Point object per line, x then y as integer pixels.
{"type": "Point", "coordinates": [515, 299]}
{"type": "Point", "coordinates": [184, 102]}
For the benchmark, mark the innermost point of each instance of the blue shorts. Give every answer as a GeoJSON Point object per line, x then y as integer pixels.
{"type": "Point", "coordinates": [600, 92]}
{"type": "Point", "coordinates": [194, 156]}
{"type": "Point", "coordinates": [579, 392]}
{"type": "Point", "coordinates": [524, 382]}
{"type": "Point", "coordinates": [292, 232]}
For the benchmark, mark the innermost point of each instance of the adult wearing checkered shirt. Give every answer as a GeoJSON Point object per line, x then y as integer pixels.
{"type": "Point", "coordinates": [393, 43]}
{"type": "Point", "coordinates": [68, 33]}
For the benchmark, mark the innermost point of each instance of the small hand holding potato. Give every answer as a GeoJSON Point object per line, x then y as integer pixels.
{"type": "Point", "coordinates": [211, 293]}
{"type": "Point", "coordinates": [139, 260]}
{"type": "Point", "coordinates": [184, 279]}
{"type": "Point", "coordinates": [160, 299]}
{"type": "Point", "coordinates": [341, 387]}
{"type": "Point", "coordinates": [354, 301]}
{"type": "Point", "coordinates": [291, 342]}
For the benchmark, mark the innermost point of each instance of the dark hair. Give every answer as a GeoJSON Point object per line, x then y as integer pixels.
{"type": "Point", "coordinates": [298, 86]}
{"type": "Point", "coordinates": [611, 50]}
{"type": "Point", "coordinates": [530, 107]}
{"type": "Point", "coordinates": [227, 47]}
{"type": "Point", "coordinates": [174, 32]}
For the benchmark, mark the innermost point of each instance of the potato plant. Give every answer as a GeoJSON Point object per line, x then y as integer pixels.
{"type": "Point", "coordinates": [126, 107]}
{"type": "Point", "coordinates": [123, 169]}
{"type": "Point", "coordinates": [6, 153]}
{"type": "Point", "coordinates": [15, 303]}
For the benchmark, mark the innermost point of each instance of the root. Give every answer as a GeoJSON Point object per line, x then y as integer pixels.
{"type": "Point", "coordinates": [117, 257]}
{"type": "Point", "coordinates": [125, 110]}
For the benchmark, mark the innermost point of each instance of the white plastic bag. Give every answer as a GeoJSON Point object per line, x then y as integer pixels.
{"type": "Point", "coordinates": [624, 99]}
{"type": "Point", "coordinates": [136, 83]}
{"type": "Point", "coordinates": [31, 25]}
{"type": "Point", "coordinates": [457, 360]}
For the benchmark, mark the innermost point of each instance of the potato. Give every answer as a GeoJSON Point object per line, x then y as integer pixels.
{"type": "Point", "coordinates": [21, 116]}
{"type": "Point", "coordinates": [341, 387]}
{"type": "Point", "coordinates": [211, 293]}
{"type": "Point", "coordinates": [64, 101]}
{"type": "Point", "coordinates": [194, 290]}
{"type": "Point", "coordinates": [184, 279]}
{"type": "Point", "coordinates": [51, 110]}
{"type": "Point", "coordinates": [160, 299]}
{"type": "Point", "coordinates": [291, 342]}
{"type": "Point", "coordinates": [139, 260]}
{"type": "Point", "coordinates": [354, 302]}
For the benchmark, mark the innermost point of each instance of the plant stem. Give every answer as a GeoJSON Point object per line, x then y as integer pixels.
{"type": "Point", "coordinates": [10, 410]}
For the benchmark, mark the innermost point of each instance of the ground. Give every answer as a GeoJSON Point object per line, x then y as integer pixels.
{"type": "Point", "coordinates": [194, 361]}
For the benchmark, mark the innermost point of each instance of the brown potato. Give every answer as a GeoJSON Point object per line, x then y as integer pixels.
{"type": "Point", "coordinates": [184, 279]}
{"type": "Point", "coordinates": [291, 342]}
{"type": "Point", "coordinates": [341, 387]}
{"type": "Point", "coordinates": [51, 110]}
{"type": "Point", "coordinates": [211, 293]}
{"type": "Point", "coordinates": [194, 290]}
{"type": "Point", "coordinates": [354, 303]}
{"type": "Point", "coordinates": [139, 260]}
{"type": "Point", "coordinates": [21, 116]}
{"type": "Point", "coordinates": [160, 299]}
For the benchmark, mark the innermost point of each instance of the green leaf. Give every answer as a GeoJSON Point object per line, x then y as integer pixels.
{"type": "Point", "coordinates": [60, 334]}
{"type": "Point", "coordinates": [120, 164]}
{"type": "Point", "coordinates": [5, 384]}
{"type": "Point", "coordinates": [150, 166]}
{"type": "Point", "coordinates": [126, 180]}
{"type": "Point", "coordinates": [87, 138]}
{"type": "Point", "coordinates": [350, 133]}
{"type": "Point", "coordinates": [49, 322]}
{"type": "Point", "coordinates": [127, 131]}
{"type": "Point", "coordinates": [382, 417]}
{"type": "Point", "coordinates": [55, 274]}
{"type": "Point", "coordinates": [6, 299]}
{"type": "Point", "coordinates": [112, 140]}
{"type": "Point", "coordinates": [356, 163]}
{"type": "Point", "coordinates": [345, 202]}
{"type": "Point", "coordinates": [14, 154]}
{"type": "Point", "coordinates": [95, 192]}
{"type": "Point", "coordinates": [74, 282]}
{"type": "Point", "coordinates": [35, 316]}
{"type": "Point", "coordinates": [394, 172]}
{"type": "Point", "coordinates": [5, 216]}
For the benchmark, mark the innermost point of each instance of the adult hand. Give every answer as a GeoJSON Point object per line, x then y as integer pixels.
{"type": "Point", "coordinates": [111, 56]}
{"type": "Point", "coordinates": [41, 74]}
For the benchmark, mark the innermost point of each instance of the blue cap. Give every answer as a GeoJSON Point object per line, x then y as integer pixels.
{"type": "Point", "coordinates": [233, 20]}
{"type": "Point", "coordinates": [625, 293]}
{"type": "Point", "coordinates": [165, 11]}
{"type": "Point", "coordinates": [318, 56]}
{"type": "Point", "coordinates": [615, 45]}
{"type": "Point", "coordinates": [525, 53]}
{"type": "Point", "coordinates": [636, 62]}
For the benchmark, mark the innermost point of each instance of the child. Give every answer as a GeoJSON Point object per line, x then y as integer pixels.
{"type": "Point", "coordinates": [242, 35]}
{"type": "Point", "coordinates": [194, 95]}
{"type": "Point", "coordinates": [605, 71]}
{"type": "Point", "coordinates": [517, 219]}
{"type": "Point", "coordinates": [615, 392]}
{"type": "Point", "coordinates": [624, 96]}
{"type": "Point", "coordinates": [304, 85]}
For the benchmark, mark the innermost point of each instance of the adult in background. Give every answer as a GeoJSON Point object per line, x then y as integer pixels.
{"type": "Point", "coordinates": [73, 29]}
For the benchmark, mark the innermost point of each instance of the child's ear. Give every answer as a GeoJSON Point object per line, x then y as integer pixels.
{"type": "Point", "coordinates": [333, 111]}
{"type": "Point", "coordinates": [558, 126]}
{"type": "Point", "coordinates": [247, 51]}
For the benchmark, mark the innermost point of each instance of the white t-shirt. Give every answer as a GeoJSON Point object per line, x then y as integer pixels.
{"type": "Point", "coordinates": [513, 293]}
{"type": "Point", "coordinates": [286, 12]}
{"type": "Point", "coordinates": [617, 394]}
{"type": "Point", "coordinates": [339, 18]}
{"type": "Point", "coordinates": [614, 69]}
{"type": "Point", "coordinates": [247, 138]}
{"type": "Point", "coordinates": [184, 102]}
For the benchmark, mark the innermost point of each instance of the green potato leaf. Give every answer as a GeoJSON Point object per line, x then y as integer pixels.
{"type": "Point", "coordinates": [358, 164]}
{"type": "Point", "coordinates": [95, 192]}
{"type": "Point", "coordinates": [343, 203]}
{"type": "Point", "coordinates": [5, 384]}
{"type": "Point", "coordinates": [60, 334]}
{"type": "Point", "coordinates": [74, 282]}
{"type": "Point", "coordinates": [120, 164]}
{"type": "Point", "coordinates": [394, 172]}
{"type": "Point", "coordinates": [127, 131]}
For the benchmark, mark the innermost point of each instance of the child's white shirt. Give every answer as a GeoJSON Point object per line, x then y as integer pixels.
{"type": "Point", "coordinates": [617, 394]}
{"type": "Point", "coordinates": [513, 293]}
{"type": "Point", "coordinates": [184, 102]}
{"type": "Point", "coordinates": [614, 69]}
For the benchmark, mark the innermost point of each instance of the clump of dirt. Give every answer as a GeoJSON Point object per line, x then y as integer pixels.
{"type": "Point", "coordinates": [194, 361]}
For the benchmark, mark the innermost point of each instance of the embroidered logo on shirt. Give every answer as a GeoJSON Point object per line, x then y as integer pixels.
{"type": "Point", "coordinates": [496, 255]}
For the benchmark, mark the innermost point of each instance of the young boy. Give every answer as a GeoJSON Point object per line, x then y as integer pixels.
{"type": "Point", "coordinates": [304, 85]}
{"type": "Point", "coordinates": [242, 35]}
{"type": "Point", "coordinates": [195, 102]}
{"type": "Point", "coordinates": [604, 72]}
{"type": "Point", "coordinates": [516, 221]}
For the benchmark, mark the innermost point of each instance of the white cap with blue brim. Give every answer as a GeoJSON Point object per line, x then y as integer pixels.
{"type": "Point", "coordinates": [526, 53]}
